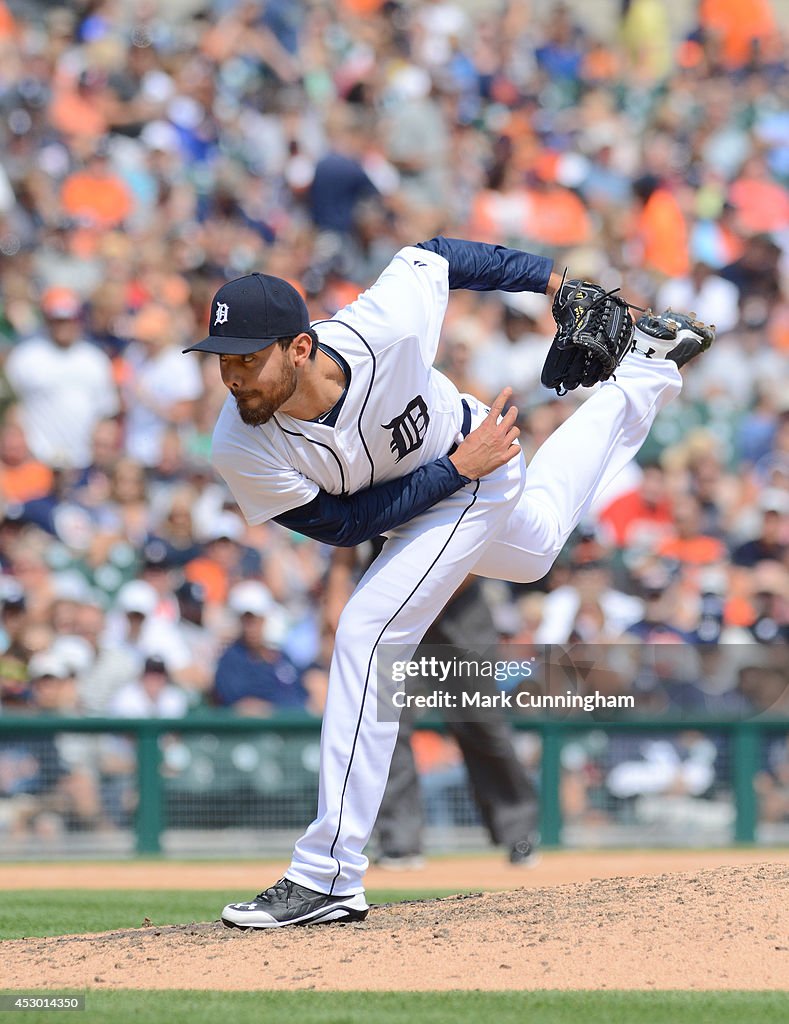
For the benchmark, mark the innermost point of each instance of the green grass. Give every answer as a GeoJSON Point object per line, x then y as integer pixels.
{"type": "Point", "coordinates": [543, 1007]}
{"type": "Point", "coordinates": [36, 912]}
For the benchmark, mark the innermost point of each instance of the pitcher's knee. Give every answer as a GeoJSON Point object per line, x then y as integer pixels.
{"type": "Point", "coordinates": [537, 568]}
{"type": "Point", "coordinates": [546, 532]}
{"type": "Point", "coordinates": [541, 567]}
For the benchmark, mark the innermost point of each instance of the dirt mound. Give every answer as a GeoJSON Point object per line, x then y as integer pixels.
{"type": "Point", "coordinates": [726, 928]}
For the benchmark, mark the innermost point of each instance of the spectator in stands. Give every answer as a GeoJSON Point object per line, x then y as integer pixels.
{"type": "Point", "coordinates": [772, 541]}
{"type": "Point", "coordinates": [689, 545]}
{"type": "Point", "coordinates": [175, 531]}
{"type": "Point", "coordinates": [660, 228]}
{"type": "Point", "coordinates": [22, 478]}
{"type": "Point", "coordinates": [52, 782]}
{"type": "Point", "coordinates": [516, 351]}
{"type": "Point", "coordinates": [416, 136]}
{"type": "Point", "coordinates": [31, 787]}
{"type": "Point", "coordinates": [14, 692]}
{"type": "Point", "coordinates": [136, 625]}
{"type": "Point", "coordinates": [151, 695]}
{"type": "Point", "coordinates": [225, 559]}
{"type": "Point", "coordinates": [95, 195]}
{"type": "Point", "coordinates": [589, 587]}
{"type": "Point", "coordinates": [254, 677]}
{"type": "Point", "coordinates": [340, 182]}
{"type": "Point", "coordinates": [53, 686]}
{"type": "Point", "coordinates": [63, 382]}
{"type": "Point", "coordinates": [126, 514]}
{"type": "Point", "coordinates": [159, 572]}
{"type": "Point", "coordinates": [713, 299]}
{"type": "Point", "coordinates": [165, 633]}
{"type": "Point", "coordinates": [113, 665]}
{"type": "Point", "coordinates": [641, 517]}
{"type": "Point", "coordinates": [92, 487]}
{"type": "Point", "coordinates": [769, 623]}
{"type": "Point", "coordinates": [765, 684]}
{"type": "Point", "coordinates": [202, 642]}
{"type": "Point", "coordinates": [680, 771]}
{"type": "Point", "coordinates": [158, 392]}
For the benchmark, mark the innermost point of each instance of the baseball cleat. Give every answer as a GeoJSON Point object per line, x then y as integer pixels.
{"type": "Point", "coordinates": [524, 854]}
{"type": "Point", "coordinates": [679, 337]}
{"type": "Point", "coordinates": [287, 902]}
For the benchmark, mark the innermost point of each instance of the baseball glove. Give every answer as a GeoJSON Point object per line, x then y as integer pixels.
{"type": "Point", "coordinates": [594, 330]}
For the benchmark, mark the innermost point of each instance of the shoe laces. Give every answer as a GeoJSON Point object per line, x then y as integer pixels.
{"type": "Point", "coordinates": [284, 887]}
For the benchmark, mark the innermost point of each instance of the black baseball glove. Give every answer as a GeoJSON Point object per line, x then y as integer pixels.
{"type": "Point", "coordinates": [594, 330]}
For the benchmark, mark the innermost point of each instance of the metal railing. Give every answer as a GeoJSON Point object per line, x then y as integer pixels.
{"type": "Point", "coordinates": [745, 737]}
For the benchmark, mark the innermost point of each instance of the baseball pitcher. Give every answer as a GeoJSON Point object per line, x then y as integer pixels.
{"type": "Point", "coordinates": [343, 430]}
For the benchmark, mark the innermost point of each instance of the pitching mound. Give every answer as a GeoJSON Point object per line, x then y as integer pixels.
{"type": "Point", "coordinates": [726, 928]}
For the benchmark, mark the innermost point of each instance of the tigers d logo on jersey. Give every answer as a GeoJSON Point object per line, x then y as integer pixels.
{"type": "Point", "coordinates": [409, 428]}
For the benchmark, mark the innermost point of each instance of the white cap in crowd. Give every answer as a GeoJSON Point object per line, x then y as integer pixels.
{"type": "Point", "coordinates": [75, 652]}
{"type": "Point", "coordinates": [137, 596]}
{"type": "Point", "coordinates": [47, 663]}
{"type": "Point", "coordinates": [226, 526]}
{"type": "Point", "coordinates": [251, 598]}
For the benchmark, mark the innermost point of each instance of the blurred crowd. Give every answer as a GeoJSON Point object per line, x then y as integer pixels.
{"type": "Point", "coordinates": [145, 159]}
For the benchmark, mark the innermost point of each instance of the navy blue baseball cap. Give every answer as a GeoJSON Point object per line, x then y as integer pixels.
{"type": "Point", "coordinates": [251, 313]}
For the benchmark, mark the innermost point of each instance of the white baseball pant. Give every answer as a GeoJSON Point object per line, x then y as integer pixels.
{"type": "Point", "coordinates": [509, 525]}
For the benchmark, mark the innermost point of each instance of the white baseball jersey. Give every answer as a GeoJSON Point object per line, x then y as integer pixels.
{"type": "Point", "coordinates": [400, 413]}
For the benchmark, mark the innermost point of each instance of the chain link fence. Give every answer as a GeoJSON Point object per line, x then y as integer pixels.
{"type": "Point", "coordinates": [230, 787]}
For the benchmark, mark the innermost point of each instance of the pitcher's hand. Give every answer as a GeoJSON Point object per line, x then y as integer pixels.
{"type": "Point", "coordinates": [491, 444]}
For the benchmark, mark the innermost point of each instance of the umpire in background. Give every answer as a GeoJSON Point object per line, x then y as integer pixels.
{"type": "Point", "coordinates": [506, 798]}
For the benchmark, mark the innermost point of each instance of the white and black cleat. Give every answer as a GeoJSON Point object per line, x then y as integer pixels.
{"type": "Point", "coordinates": [679, 337]}
{"type": "Point", "coordinates": [287, 902]}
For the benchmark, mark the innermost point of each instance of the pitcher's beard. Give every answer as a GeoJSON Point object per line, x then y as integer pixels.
{"type": "Point", "coordinates": [255, 415]}
{"type": "Point", "coordinates": [255, 408]}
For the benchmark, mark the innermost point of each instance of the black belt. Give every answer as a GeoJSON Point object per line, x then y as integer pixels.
{"type": "Point", "coordinates": [466, 425]}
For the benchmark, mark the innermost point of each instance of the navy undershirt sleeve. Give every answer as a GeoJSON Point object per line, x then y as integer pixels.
{"type": "Point", "coordinates": [482, 268]}
{"type": "Point", "coordinates": [349, 519]}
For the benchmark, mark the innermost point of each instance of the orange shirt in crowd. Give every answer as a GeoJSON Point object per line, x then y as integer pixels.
{"type": "Point", "coordinates": [738, 611]}
{"type": "Point", "coordinates": [73, 114]}
{"type": "Point", "coordinates": [7, 23]}
{"type": "Point", "coordinates": [762, 206]}
{"type": "Point", "coordinates": [693, 551]}
{"type": "Point", "coordinates": [559, 218]}
{"type": "Point", "coordinates": [100, 199]}
{"type": "Point", "coordinates": [211, 576]}
{"type": "Point", "coordinates": [361, 7]}
{"type": "Point", "coordinates": [630, 517]}
{"type": "Point", "coordinates": [555, 217]}
{"type": "Point", "coordinates": [432, 751]}
{"type": "Point", "coordinates": [27, 482]}
{"type": "Point", "coordinates": [738, 23]}
{"type": "Point", "coordinates": [663, 233]}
